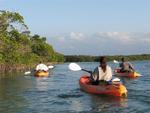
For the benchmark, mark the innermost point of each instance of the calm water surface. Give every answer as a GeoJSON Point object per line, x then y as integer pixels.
{"type": "Point", "coordinates": [60, 93]}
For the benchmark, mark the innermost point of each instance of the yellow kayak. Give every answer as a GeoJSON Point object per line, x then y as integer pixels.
{"type": "Point", "coordinates": [126, 74]}
{"type": "Point", "coordinates": [41, 73]}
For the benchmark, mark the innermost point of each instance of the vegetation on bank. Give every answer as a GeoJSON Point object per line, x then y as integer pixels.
{"type": "Point", "coordinates": [86, 58]}
{"type": "Point", "coordinates": [18, 46]}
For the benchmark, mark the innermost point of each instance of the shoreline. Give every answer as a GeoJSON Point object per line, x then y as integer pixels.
{"type": "Point", "coordinates": [8, 68]}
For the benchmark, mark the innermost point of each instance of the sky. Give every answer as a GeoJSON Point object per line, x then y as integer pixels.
{"type": "Point", "coordinates": [88, 27]}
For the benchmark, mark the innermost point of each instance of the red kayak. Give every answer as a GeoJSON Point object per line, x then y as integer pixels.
{"type": "Point", "coordinates": [114, 89]}
{"type": "Point", "coordinates": [126, 74]}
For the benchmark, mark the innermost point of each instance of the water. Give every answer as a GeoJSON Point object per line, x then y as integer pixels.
{"type": "Point", "coordinates": [60, 93]}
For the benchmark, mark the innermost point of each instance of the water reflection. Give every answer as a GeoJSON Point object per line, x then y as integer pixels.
{"type": "Point", "coordinates": [42, 83]}
{"type": "Point", "coordinates": [103, 103]}
{"type": "Point", "coordinates": [11, 94]}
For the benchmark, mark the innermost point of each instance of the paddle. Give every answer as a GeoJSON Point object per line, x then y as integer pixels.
{"type": "Point", "coordinates": [29, 72]}
{"type": "Point", "coordinates": [50, 67]}
{"type": "Point", "coordinates": [76, 67]}
{"type": "Point", "coordinates": [115, 61]}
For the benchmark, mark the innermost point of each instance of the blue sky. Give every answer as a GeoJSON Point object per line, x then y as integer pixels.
{"type": "Point", "coordinates": [92, 27]}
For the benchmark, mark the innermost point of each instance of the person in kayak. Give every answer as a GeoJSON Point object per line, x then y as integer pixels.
{"type": "Point", "coordinates": [41, 67]}
{"type": "Point", "coordinates": [102, 73]}
{"type": "Point", "coordinates": [126, 66]}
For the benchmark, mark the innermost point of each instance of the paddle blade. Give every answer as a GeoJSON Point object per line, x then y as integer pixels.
{"type": "Point", "coordinates": [115, 61]}
{"type": "Point", "coordinates": [50, 67]}
{"type": "Point", "coordinates": [74, 67]}
{"type": "Point", "coordinates": [28, 72]}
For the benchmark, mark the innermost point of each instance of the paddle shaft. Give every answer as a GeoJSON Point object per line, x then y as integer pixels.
{"type": "Point", "coordinates": [86, 71]}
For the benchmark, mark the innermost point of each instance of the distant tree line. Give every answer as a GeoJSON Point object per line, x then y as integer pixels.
{"type": "Point", "coordinates": [86, 58]}
{"type": "Point", "coordinates": [18, 46]}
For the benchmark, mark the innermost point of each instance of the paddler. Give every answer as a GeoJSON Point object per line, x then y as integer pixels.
{"type": "Point", "coordinates": [102, 73]}
{"type": "Point", "coordinates": [126, 66]}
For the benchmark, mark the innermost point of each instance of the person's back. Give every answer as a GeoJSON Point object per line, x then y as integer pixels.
{"type": "Point", "coordinates": [103, 72]}
{"type": "Point", "coordinates": [126, 66]}
{"type": "Point", "coordinates": [41, 67]}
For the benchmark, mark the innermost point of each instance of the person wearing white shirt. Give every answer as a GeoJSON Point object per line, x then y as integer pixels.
{"type": "Point", "coordinates": [102, 73]}
{"type": "Point", "coordinates": [41, 67]}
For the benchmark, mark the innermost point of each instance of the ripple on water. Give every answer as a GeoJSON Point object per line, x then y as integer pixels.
{"type": "Point", "coordinates": [70, 95]}
{"type": "Point", "coordinates": [76, 93]}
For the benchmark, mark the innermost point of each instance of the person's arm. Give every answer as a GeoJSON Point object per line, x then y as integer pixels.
{"type": "Point", "coordinates": [131, 66]}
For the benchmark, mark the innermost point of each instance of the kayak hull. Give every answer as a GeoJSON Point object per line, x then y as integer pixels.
{"type": "Point", "coordinates": [41, 74]}
{"type": "Point", "coordinates": [125, 74]}
{"type": "Point", "coordinates": [118, 90]}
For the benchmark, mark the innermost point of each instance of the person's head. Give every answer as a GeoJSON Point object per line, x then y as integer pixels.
{"type": "Point", "coordinates": [103, 63]}
{"type": "Point", "coordinates": [123, 59]}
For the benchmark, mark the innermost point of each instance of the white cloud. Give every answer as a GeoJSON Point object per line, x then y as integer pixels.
{"type": "Point", "coordinates": [123, 37]}
{"type": "Point", "coordinates": [102, 43]}
{"type": "Point", "coordinates": [77, 35]}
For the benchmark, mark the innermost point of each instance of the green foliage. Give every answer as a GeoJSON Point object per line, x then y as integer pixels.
{"type": "Point", "coordinates": [41, 48]}
{"type": "Point", "coordinates": [57, 57]}
{"type": "Point", "coordinates": [18, 46]}
{"type": "Point", "coordinates": [84, 58]}
{"type": "Point", "coordinates": [80, 58]}
{"type": "Point", "coordinates": [9, 19]}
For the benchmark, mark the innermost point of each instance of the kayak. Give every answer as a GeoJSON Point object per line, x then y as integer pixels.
{"type": "Point", "coordinates": [126, 74]}
{"type": "Point", "coordinates": [41, 73]}
{"type": "Point", "coordinates": [114, 89]}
